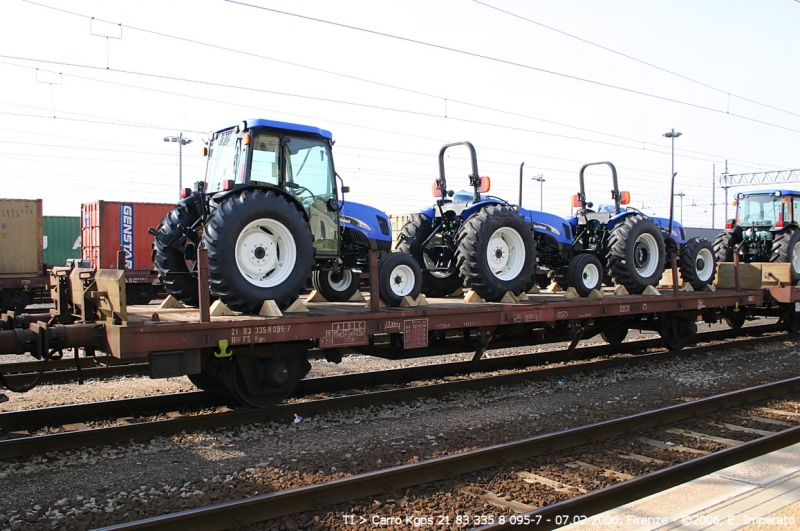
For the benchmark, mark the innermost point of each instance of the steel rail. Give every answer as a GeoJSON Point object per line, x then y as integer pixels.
{"type": "Point", "coordinates": [24, 446]}
{"type": "Point", "coordinates": [265, 507]}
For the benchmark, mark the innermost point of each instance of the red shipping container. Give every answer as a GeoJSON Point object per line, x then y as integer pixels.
{"type": "Point", "coordinates": [108, 226]}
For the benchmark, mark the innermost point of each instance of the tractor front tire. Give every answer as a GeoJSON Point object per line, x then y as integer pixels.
{"type": "Point", "coordinates": [585, 273]}
{"type": "Point", "coordinates": [169, 258]}
{"type": "Point", "coordinates": [496, 252]}
{"type": "Point", "coordinates": [724, 245]}
{"type": "Point", "coordinates": [697, 263]}
{"type": "Point", "coordinates": [636, 255]}
{"type": "Point", "coordinates": [399, 276]}
{"type": "Point", "coordinates": [786, 249]}
{"type": "Point", "coordinates": [412, 236]}
{"type": "Point", "coordinates": [259, 248]}
{"type": "Point", "coordinates": [336, 286]}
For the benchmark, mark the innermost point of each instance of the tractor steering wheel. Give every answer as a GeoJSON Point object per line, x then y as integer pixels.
{"type": "Point", "coordinates": [298, 190]}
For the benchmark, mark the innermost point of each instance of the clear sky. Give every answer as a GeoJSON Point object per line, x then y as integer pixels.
{"type": "Point", "coordinates": [90, 88]}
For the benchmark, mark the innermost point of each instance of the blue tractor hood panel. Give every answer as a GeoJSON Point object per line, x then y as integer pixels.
{"type": "Point", "coordinates": [549, 224]}
{"type": "Point", "coordinates": [373, 223]}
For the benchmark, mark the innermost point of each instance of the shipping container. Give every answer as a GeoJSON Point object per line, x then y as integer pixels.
{"type": "Point", "coordinates": [20, 238]}
{"type": "Point", "coordinates": [62, 239]}
{"type": "Point", "coordinates": [109, 227]}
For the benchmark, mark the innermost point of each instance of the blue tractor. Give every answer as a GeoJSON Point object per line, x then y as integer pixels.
{"type": "Point", "coordinates": [627, 247]}
{"type": "Point", "coordinates": [270, 215]}
{"type": "Point", "coordinates": [584, 251]}
{"type": "Point", "coordinates": [480, 240]}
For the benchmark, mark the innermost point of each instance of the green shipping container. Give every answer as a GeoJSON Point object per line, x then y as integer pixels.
{"type": "Point", "coordinates": [62, 239]}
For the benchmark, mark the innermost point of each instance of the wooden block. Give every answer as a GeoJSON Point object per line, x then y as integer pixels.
{"type": "Point", "coordinates": [650, 290]}
{"type": "Point", "coordinates": [687, 287]}
{"type": "Point", "coordinates": [595, 294]}
{"type": "Point", "coordinates": [666, 279]}
{"type": "Point", "coordinates": [422, 300]}
{"type": "Point", "coordinates": [523, 296]}
{"type": "Point", "coordinates": [773, 273]}
{"type": "Point", "coordinates": [619, 289]}
{"type": "Point", "coordinates": [554, 287]}
{"type": "Point", "coordinates": [357, 297]}
{"type": "Point", "coordinates": [270, 309]}
{"type": "Point", "coordinates": [381, 304]}
{"type": "Point", "coordinates": [219, 308]}
{"type": "Point", "coordinates": [749, 275]}
{"type": "Point", "coordinates": [78, 426]}
{"type": "Point", "coordinates": [408, 302]}
{"type": "Point", "coordinates": [509, 298]}
{"type": "Point", "coordinates": [709, 287]}
{"type": "Point", "coordinates": [534, 290]}
{"type": "Point", "coordinates": [296, 307]}
{"type": "Point", "coordinates": [572, 293]}
{"type": "Point", "coordinates": [471, 296]}
{"type": "Point", "coordinates": [171, 302]}
{"type": "Point", "coordinates": [457, 293]}
{"type": "Point", "coordinates": [315, 296]}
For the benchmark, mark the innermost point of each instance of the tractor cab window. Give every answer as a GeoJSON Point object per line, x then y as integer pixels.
{"type": "Point", "coordinates": [759, 210]}
{"type": "Point", "coordinates": [224, 160]}
{"type": "Point", "coordinates": [265, 166]}
{"type": "Point", "coordinates": [795, 209]}
{"type": "Point", "coordinates": [309, 176]}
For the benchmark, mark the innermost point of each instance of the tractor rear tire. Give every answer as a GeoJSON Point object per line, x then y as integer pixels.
{"type": "Point", "coordinates": [724, 244]}
{"type": "Point", "coordinates": [697, 263]}
{"type": "Point", "coordinates": [336, 286]}
{"type": "Point", "coordinates": [412, 236]}
{"type": "Point", "coordinates": [786, 249]}
{"type": "Point", "coordinates": [169, 246]}
{"type": "Point", "coordinates": [399, 276]}
{"type": "Point", "coordinates": [259, 248]}
{"type": "Point", "coordinates": [585, 274]}
{"type": "Point", "coordinates": [636, 255]}
{"type": "Point", "coordinates": [496, 252]}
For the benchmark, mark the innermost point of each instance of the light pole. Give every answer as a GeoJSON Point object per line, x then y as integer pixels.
{"type": "Point", "coordinates": [541, 179]}
{"type": "Point", "coordinates": [181, 142]}
{"type": "Point", "coordinates": [673, 135]}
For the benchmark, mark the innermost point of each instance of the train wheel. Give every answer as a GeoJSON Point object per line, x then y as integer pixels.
{"type": "Point", "coordinates": [614, 336]}
{"type": "Point", "coordinates": [264, 382]}
{"type": "Point", "coordinates": [676, 331]}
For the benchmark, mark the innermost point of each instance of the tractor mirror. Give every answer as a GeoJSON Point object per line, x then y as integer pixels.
{"type": "Point", "coordinates": [576, 200]}
{"type": "Point", "coordinates": [345, 189]}
{"type": "Point", "coordinates": [486, 185]}
{"type": "Point", "coordinates": [624, 198]}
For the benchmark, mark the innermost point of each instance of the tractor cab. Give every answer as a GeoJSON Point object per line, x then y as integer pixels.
{"type": "Point", "coordinates": [289, 159]}
{"type": "Point", "coordinates": [765, 211]}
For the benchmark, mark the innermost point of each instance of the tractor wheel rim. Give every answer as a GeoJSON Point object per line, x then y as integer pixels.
{"type": "Point", "coordinates": [704, 264]}
{"type": "Point", "coordinates": [265, 253]}
{"type": "Point", "coordinates": [401, 280]}
{"type": "Point", "coordinates": [645, 255]}
{"type": "Point", "coordinates": [506, 253]}
{"type": "Point", "coordinates": [590, 276]}
{"type": "Point", "coordinates": [340, 280]}
{"type": "Point", "coordinates": [795, 257]}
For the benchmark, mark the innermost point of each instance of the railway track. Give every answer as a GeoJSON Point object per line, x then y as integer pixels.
{"type": "Point", "coordinates": [76, 426]}
{"type": "Point", "coordinates": [475, 483]}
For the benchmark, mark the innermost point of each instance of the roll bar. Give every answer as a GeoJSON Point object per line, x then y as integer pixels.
{"type": "Point", "coordinates": [474, 178]}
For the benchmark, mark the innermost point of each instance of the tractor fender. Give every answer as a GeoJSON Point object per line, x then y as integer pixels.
{"type": "Point", "coordinates": [472, 207]}
{"type": "Point", "coordinates": [221, 196]}
{"type": "Point", "coordinates": [787, 226]}
{"type": "Point", "coordinates": [371, 222]}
